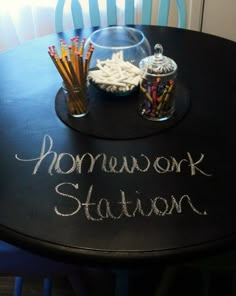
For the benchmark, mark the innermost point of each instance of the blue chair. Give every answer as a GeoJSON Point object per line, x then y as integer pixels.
{"type": "Point", "coordinates": [20, 263]}
{"type": "Point", "coordinates": [78, 20]}
{"type": "Point", "coordinates": [221, 265]}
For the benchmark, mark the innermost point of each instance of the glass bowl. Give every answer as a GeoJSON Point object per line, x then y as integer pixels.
{"type": "Point", "coordinates": [117, 52]}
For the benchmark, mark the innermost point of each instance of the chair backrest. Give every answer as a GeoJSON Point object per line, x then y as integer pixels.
{"type": "Point", "coordinates": [129, 18]}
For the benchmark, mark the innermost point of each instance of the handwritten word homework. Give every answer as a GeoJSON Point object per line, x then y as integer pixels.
{"type": "Point", "coordinates": [111, 164]}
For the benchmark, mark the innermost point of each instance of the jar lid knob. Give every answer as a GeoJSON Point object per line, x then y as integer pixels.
{"type": "Point", "coordinates": [158, 50]}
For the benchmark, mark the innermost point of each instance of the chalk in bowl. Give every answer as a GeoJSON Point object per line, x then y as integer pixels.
{"type": "Point", "coordinates": [115, 75]}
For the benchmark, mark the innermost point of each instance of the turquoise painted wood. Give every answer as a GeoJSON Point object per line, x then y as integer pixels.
{"type": "Point", "coordinates": [77, 14]}
{"type": "Point", "coordinates": [111, 12]}
{"type": "Point", "coordinates": [15, 261]}
{"type": "Point", "coordinates": [129, 12]}
{"type": "Point", "coordinates": [94, 13]}
{"type": "Point", "coordinates": [59, 15]}
{"type": "Point", "coordinates": [146, 17]}
{"type": "Point", "coordinates": [163, 13]}
{"type": "Point", "coordinates": [182, 13]}
{"type": "Point", "coordinates": [146, 12]}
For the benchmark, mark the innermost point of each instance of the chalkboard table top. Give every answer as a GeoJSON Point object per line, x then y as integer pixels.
{"type": "Point", "coordinates": [77, 196]}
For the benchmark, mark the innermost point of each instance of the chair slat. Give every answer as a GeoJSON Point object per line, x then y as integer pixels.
{"type": "Point", "coordinates": [59, 15]}
{"type": "Point", "coordinates": [163, 12]}
{"type": "Point", "coordinates": [94, 13]}
{"type": "Point", "coordinates": [77, 14]}
{"type": "Point", "coordinates": [18, 286]}
{"type": "Point", "coordinates": [182, 13]}
{"type": "Point", "coordinates": [146, 12]}
{"type": "Point", "coordinates": [129, 12]}
{"type": "Point", "coordinates": [111, 12]}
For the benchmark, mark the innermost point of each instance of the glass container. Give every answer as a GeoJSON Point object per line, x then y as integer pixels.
{"type": "Point", "coordinates": [117, 53]}
{"type": "Point", "coordinates": [157, 101]}
{"type": "Point", "coordinates": [76, 100]}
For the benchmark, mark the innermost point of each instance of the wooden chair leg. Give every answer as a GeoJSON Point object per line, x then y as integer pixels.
{"type": "Point", "coordinates": [205, 283]}
{"type": "Point", "coordinates": [233, 284]}
{"type": "Point", "coordinates": [122, 283]}
{"type": "Point", "coordinates": [47, 287]}
{"type": "Point", "coordinates": [166, 280]}
{"type": "Point", "coordinates": [18, 286]}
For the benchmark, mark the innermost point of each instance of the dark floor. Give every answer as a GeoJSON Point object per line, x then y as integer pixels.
{"type": "Point", "coordinates": [186, 282]}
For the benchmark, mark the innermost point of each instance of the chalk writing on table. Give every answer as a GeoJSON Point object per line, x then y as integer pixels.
{"type": "Point", "coordinates": [129, 208]}
{"type": "Point", "coordinates": [112, 164]}
{"type": "Point", "coordinates": [51, 161]}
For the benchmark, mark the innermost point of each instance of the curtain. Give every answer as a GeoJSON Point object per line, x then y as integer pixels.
{"type": "Point", "coordinates": [22, 20]}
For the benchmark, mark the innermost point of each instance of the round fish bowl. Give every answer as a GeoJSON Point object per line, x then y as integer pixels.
{"type": "Point", "coordinates": [117, 52]}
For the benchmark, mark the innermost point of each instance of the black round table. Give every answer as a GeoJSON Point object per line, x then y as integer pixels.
{"type": "Point", "coordinates": [76, 195]}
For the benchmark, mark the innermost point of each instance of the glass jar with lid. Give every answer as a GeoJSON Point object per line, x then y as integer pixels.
{"type": "Point", "coordinates": [157, 86]}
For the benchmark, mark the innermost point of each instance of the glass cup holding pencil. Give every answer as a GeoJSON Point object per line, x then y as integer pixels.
{"type": "Point", "coordinates": [73, 65]}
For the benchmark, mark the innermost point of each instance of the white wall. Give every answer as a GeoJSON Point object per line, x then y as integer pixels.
{"type": "Point", "coordinates": [194, 13]}
{"type": "Point", "coordinates": [220, 18]}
